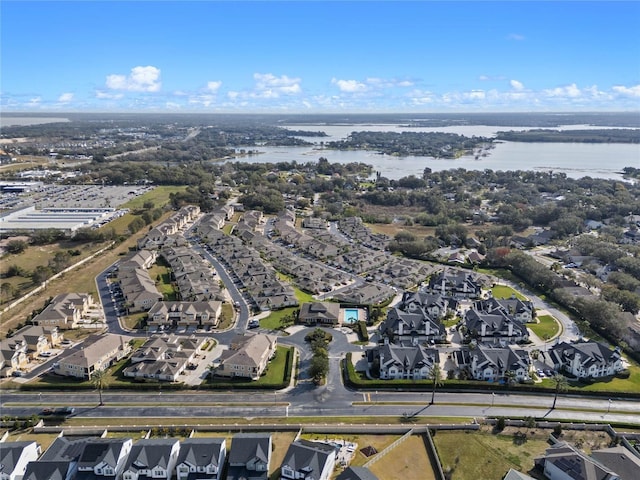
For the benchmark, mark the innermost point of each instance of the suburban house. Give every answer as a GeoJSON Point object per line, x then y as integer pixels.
{"type": "Point", "coordinates": [411, 328]}
{"type": "Point", "coordinates": [248, 356]}
{"type": "Point", "coordinates": [152, 458]}
{"type": "Point", "coordinates": [38, 339]}
{"type": "Point", "coordinates": [319, 313]}
{"type": "Point", "coordinates": [497, 327]}
{"type": "Point", "coordinates": [492, 364]}
{"type": "Point", "coordinates": [64, 311]}
{"type": "Point", "coordinates": [14, 457]}
{"type": "Point", "coordinates": [619, 459]}
{"type": "Point", "coordinates": [249, 456]}
{"type": "Point", "coordinates": [460, 285]}
{"type": "Point", "coordinates": [521, 310]}
{"type": "Point", "coordinates": [13, 355]}
{"type": "Point", "coordinates": [185, 314]}
{"type": "Point", "coordinates": [98, 352]}
{"type": "Point", "coordinates": [201, 459]}
{"type": "Point", "coordinates": [586, 359]}
{"type": "Point", "coordinates": [435, 305]}
{"type": "Point", "coordinates": [565, 462]}
{"type": "Point", "coordinates": [356, 473]}
{"type": "Point", "coordinates": [163, 357]}
{"type": "Point", "coordinates": [50, 470]}
{"type": "Point", "coordinates": [403, 362]}
{"type": "Point", "coordinates": [103, 458]}
{"type": "Point", "coordinates": [308, 460]}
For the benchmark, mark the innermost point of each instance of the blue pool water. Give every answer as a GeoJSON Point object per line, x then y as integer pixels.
{"type": "Point", "coordinates": [350, 315]}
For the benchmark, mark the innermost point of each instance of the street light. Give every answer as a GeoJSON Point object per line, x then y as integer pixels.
{"type": "Point", "coordinates": [609, 408]}
{"type": "Point", "coordinates": [493, 398]}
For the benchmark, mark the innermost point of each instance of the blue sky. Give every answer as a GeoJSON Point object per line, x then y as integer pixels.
{"type": "Point", "coordinates": [319, 56]}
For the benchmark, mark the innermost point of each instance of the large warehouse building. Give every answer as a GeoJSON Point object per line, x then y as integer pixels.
{"type": "Point", "coordinates": [66, 219]}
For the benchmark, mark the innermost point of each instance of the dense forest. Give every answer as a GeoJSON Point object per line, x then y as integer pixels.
{"type": "Point", "coordinates": [436, 144]}
{"type": "Point", "coordinates": [617, 135]}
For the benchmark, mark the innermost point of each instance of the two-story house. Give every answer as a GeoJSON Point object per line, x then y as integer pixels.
{"type": "Point", "coordinates": [403, 362]}
{"type": "Point", "coordinates": [201, 459]}
{"type": "Point", "coordinates": [14, 458]}
{"type": "Point", "coordinates": [249, 456]}
{"type": "Point", "coordinates": [152, 458]}
{"type": "Point", "coordinates": [586, 359]}
{"type": "Point", "coordinates": [307, 460]}
{"type": "Point", "coordinates": [248, 356]}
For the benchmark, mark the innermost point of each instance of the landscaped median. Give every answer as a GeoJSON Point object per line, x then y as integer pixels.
{"type": "Point", "coordinates": [615, 386]}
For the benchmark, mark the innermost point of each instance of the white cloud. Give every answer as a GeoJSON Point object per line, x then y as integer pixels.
{"type": "Point", "coordinates": [204, 100]}
{"type": "Point", "coordinates": [421, 97]}
{"type": "Point", "coordinates": [633, 91]}
{"type": "Point", "coordinates": [65, 98]}
{"type": "Point", "coordinates": [515, 36]}
{"type": "Point", "coordinates": [386, 83]}
{"type": "Point", "coordinates": [108, 96]}
{"type": "Point", "coordinates": [516, 85]}
{"type": "Point", "coordinates": [213, 86]}
{"type": "Point", "coordinates": [270, 86]}
{"type": "Point", "coordinates": [34, 102]}
{"type": "Point", "coordinates": [571, 91]}
{"type": "Point", "coordinates": [140, 79]}
{"type": "Point", "coordinates": [349, 86]}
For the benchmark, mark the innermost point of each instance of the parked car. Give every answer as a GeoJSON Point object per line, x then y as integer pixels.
{"type": "Point", "coordinates": [254, 324]}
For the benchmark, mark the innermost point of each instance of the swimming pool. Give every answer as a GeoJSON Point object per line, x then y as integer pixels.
{"type": "Point", "coordinates": [350, 315]}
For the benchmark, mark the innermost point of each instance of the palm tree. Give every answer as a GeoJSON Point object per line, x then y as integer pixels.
{"type": "Point", "coordinates": [212, 370]}
{"type": "Point", "coordinates": [99, 380]}
{"type": "Point", "coordinates": [436, 376]}
{"type": "Point", "coordinates": [561, 384]}
{"type": "Point", "coordinates": [510, 377]}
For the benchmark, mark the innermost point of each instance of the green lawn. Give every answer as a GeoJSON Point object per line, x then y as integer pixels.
{"type": "Point", "coordinates": [502, 291]}
{"type": "Point", "coordinates": [608, 384]}
{"type": "Point", "coordinates": [272, 322]}
{"type": "Point", "coordinates": [159, 196]}
{"type": "Point", "coordinates": [161, 275]}
{"type": "Point", "coordinates": [546, 328]}
{"type": "Point", "coordinates": [483, 455]}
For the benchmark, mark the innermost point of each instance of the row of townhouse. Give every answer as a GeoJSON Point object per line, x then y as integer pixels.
{"type": "Point", "coordinates": [138, 288]}
{"type": "Point", "coordinates": [308, 275]}
{"type": "Point", "coordinates": [488, 363]}
{"type": "Point", "coordinates": [195, 278]}
{"type": "Point", "coordinates": [204, 314]}
{"type": "Point", "coordinates": [258, 278]}
{"type": "Point", "coordinates": [166, 233]}
{"type": "Point", "coordinates": [64, 311]}
{"type": "Point", "coordinates": [164, 357]}
{"type": "Point", "coordinates": [25, 345]}
{"type": "Point", "coordinates": [97, 352]}
{"type": "Point", "coordinates": [355, 229]}
{"type": "Point", "coordinates": [94, 458]}
{"type": "Point", "coordinates": [306, 243]}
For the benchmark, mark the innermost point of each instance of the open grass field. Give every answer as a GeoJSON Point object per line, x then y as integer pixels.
{"type": "Point", "coordinates": [408, 461]}
{"type": "Point", "coordinates": [484, 455]}
{"type": "Point", "coordinates": [502, 291]}
{"type": "Point", "coordinates": [546, 328]}
{"type": "Point", "coordinates": [391, 229]}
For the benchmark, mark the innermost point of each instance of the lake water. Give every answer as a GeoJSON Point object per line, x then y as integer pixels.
{"type": "Point", "coordinates": [576, 160]}
{"type": "Point", "coordinates": [24, 121]}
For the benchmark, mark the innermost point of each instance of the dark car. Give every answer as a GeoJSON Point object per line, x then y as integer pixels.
{"type": "Point", "coordinates": [64, 411]}
{"type": "Point", "coordinates": [47, 411]}
{"type": "Point", "coordinates": [254, 324]}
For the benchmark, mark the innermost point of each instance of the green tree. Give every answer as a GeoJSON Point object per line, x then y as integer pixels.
{"type": "Point", "coordinates": [99, 381]}
{"type": "Point", "coordinates": [435, 373]}
{"type": "Point", "coordinates": [561, 385]}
